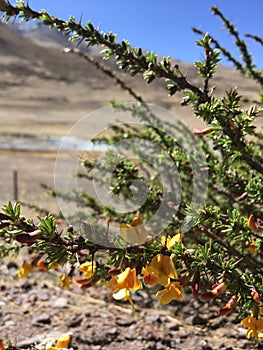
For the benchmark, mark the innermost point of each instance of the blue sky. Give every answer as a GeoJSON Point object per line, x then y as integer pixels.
{"type": "Point", "coordinates": [165, 26]}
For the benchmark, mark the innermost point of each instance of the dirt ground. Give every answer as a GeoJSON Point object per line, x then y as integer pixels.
{"type": "Point", "coordinates": [36, 311]}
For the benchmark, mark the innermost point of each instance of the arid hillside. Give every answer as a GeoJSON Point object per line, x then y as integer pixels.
{"type": "Point", "coordinates": [45, 88]}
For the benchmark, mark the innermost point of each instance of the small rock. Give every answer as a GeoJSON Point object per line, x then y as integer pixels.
{"type": "Point", "coordinates": [27, 286]}
{"type": "Point", "coordinates": [156, 346]}
{"type": "Point", "coordinates": [12, 265]}
{"type": "Point", "coordinates": [27, 344]}
{"type": "Point", "coordinates": [43, 295]}
{"type": "Point", "coordinates": [197, 320]}
{"type": "Point", "coordinates": [124, 322]}
{"type": "Point", "coordinates": [2, 303]}
{"type": "Point", "coordinates": [112, 332]}
{"type": "Point", "coordinates": [172, 326]}
{"type": "Point", "coordinates": [216, 322]}
{"type": "Point", "coordinates": [161, 319]}
{"type": "Point", "coordinates": [40, 320]}
{"type": "Point", "coordinates": [10, 324]}
{"type": "Point", "coordinates": [74, 321]}
{"type": "Point", "coordinates": [32, 298]}
{"type": "Point", "coordinates": [59, 302]}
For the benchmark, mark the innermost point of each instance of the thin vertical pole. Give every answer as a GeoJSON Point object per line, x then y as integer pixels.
{"type": "Point", "coordinates": [15, 184]}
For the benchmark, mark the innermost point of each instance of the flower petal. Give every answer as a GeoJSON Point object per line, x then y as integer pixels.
{"type": "Point", "coordinates": [249, 321]}
{"type": "Point", "coordinates": [122, 294]}
{"type": "Point", "coordinates": [169, 268]}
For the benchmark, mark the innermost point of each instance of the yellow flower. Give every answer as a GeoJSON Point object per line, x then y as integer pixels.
{"type": "Point", "coordinates": [88, 268]}
{"type": "Point", "coordinates": [254, 325]}
{"type": "Point", "coordinates": [25, 270]}
{"type": "Point", "coordinates": [127, 279]}
{"type": "Point", "coordinates": [170, 242]}
{"type": "Point", "coordinates": [135, 231]}
{"type": "Point", "coordinates": [122, 283]}
{"type": "Point", "coordinates": [251, 247]}
{"type": "Point", "coordinates": [63, 342]}
{"type": "Point", "coordinates": [65, 280]}
{"type": "Point", "coordinates": [172, 291]}
{"type": "Point", "coordinates": [162, 267]}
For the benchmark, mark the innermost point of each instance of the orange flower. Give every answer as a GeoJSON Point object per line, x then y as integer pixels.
{"type": "Point", "coordinates": [1, 345]}
{"type": "Point", "coordinates": [63, 342]}
{"type": "Point", "coordinates": [172, 291]}
{"type": "Point", "coordinates": [26, 269]}
{"type": "Point", "coordinates": [254, 325]}
{"type": "Point", "coordinates": [135, 231]}
{"type": "Point", "coordinates": [42, 266]}
{"type": "Point", "coordinates": [162, 267]}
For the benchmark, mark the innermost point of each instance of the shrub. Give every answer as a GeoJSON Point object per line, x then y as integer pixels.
{"type": "Point", "coordinates": [207, 239]}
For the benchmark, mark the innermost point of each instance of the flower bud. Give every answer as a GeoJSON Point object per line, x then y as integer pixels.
{"type": "Point", "coordinates": [219, 289]}
{"type": "Point", "coordinates": [195, 283]}
{"type": "Point", "coordinates": [242, 197]}
{"type": "Point", "coordinates": [252, 224]}
{"type": "Point", "coordinates": [215, 292]}
{"type": "Point", "coordinates": [28, 238]}
{"type": "Point", "coordinates": [1, 345]}
{"type": "Point", "coordinates": [202, 132]}
{"type": "Point", "coordinates": [255, 295]}
{"type": "Point", "coordinates": [42, 266]}
{"type": "Point", "coordinates": [185, 278]}
{"type": "Point", "coordinates": [225, 310]}
{"type": "Point", "coordinates": [87, 282]}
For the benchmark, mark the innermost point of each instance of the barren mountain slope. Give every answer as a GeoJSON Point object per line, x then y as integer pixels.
{"type": "Point", "coordinates": [53, 89]}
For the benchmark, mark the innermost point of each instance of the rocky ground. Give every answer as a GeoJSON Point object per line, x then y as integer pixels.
{"type": "Point", "coordinates": [37, 311]}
